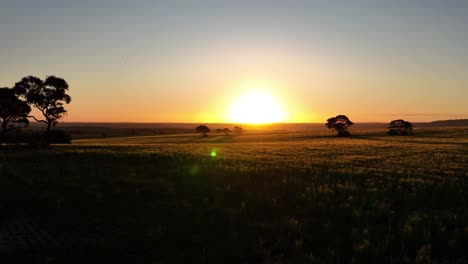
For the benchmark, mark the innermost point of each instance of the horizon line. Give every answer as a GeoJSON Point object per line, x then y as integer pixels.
{"type": "Point", "coordinates": [250, 124]}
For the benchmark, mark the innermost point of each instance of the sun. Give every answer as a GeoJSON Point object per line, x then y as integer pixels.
{"type": "Point", "coordinates": [256, 107]}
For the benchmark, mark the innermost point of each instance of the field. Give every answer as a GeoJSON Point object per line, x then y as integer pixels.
{"type": "Point", "coordinates": [258, 197]}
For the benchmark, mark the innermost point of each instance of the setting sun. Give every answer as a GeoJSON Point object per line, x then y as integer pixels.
{"type": "Point", "coordinates": [256, 107]}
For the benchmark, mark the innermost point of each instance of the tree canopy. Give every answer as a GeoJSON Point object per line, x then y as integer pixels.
{"type": "Point", "coordinates": [227, 131]}
{"type": "Point", "coordinates": [399, 127]}
{"type": "Point", "coordinates": [203, 130]}
{"type": "Point", "coordinates": [238, 129]}
{"type": "Point", "coordinates": [339, 123]}
{"type": "Point", "coordinates": [12, 110]}
{"type": "Point", "coordinates": [48, 96]}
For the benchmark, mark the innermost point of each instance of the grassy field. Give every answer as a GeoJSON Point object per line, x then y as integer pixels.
{"type": "Point", "coordinates": [259, 197]}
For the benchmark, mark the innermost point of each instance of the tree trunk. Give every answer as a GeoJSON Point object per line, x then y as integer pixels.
{"type": "Point", "coordinates": [49, 124]}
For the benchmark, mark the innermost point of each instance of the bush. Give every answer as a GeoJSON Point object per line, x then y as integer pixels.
{"type": "Point", "coordinates": [399, 127]}
{"type": "Point", "coordinates": [23, 139]}
{"type": "Point", "coordinates": [36, 139]}
{"type": "Point", "coordinates": [339, 123]}
{"type": "Point", "coordinates": [57, 137]}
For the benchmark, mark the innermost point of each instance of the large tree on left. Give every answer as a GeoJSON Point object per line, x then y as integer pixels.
{"type": "Point", "coordinates": [12, 110]}
{"type": "Point", "coordinates": [48, 96]}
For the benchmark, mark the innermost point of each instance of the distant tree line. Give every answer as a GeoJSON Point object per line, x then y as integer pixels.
{"type": "Point", "coordinates": [48, 96]}
{"type": "Point", "coordinates": [341, 123]}
{"type": "Point", "coordinates": [338, 124]}
{"type": "Point", "coordinates": [225, 130]}
{"type": "Point", "coordinates": [204, 130]}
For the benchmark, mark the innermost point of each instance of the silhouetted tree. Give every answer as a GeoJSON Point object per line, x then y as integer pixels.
{"type": "Point", "coordinates": [47, 96]}
{"type": "Point", "coordinates": [399, 127]}
{"type": "Point", "coordinates": [12, 110]}
{"type": "Point", "coordinates": [203, 130]}
{"type": "Point", "coordinates": [218, 130]}
{"type": "Point", "coordinates": [238, 130]}
{"type": "Point", "coordinates": [339, 123]}
{"type": "Point", "coordinates": [227, 131]}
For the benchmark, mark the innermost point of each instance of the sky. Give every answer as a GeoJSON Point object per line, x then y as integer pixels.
{"type": "Point", "coordinates": [188, 61]}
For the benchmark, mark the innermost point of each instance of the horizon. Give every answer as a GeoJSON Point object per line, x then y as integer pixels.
{"type": "Point", "coordinates": [247, 124]}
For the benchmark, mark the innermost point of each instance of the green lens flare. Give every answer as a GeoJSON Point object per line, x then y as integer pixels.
{"type": "Point", "coordinates": [213, 153]}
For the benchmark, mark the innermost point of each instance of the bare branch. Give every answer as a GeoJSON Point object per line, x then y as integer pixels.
{"type": "Point", "coordinates": [37, 120]}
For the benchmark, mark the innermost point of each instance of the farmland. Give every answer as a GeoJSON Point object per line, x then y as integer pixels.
{"type": "Point", "coordinates": [258, 197]}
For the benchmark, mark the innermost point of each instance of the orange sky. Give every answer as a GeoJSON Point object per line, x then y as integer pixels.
{"type": "Point", "coordinates": [166, 61]}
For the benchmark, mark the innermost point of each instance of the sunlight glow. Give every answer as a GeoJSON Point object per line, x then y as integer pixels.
{"type": "Point", "coordinates": [256, 107]}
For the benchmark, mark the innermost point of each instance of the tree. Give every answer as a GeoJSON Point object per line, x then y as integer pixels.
{"type": "Point", "coordinates": [47, 96]}
{"type": "Point", "coordinates": [339, 123]}
{"type": "Point", "coordinates": [203, 130]}
{"type": "Point", "coordinates": [12, 110]}
{"type": "Point", "coordinates": [227, 131]}
{"type": "Point", "coordinates": [399, 127]}
{"type": "Point", "coordinates": [238, 130]}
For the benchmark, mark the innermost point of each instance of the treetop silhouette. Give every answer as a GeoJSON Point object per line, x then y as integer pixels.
{"type": "Point", "coordinates": [12, 110]}
{"type": "Point", "coordinates": [203, 130]}
{"type": "Point", "coordinates": [238, 130]}
{"type": "Point", "coordinates": [48, 96]}
{"type": "Point", "coordinates": [399, 127]}
{"type": "Point", "coordinates": [339, 123]}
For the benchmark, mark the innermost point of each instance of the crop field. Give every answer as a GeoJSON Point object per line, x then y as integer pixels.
{"type": "Point", "coordinates": [257, 197]}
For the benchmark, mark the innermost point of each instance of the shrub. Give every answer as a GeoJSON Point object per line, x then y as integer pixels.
{"type": "Point", "coordinates": [399, 127]}
{"type": "Point", "coordinates": [57, 137]}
